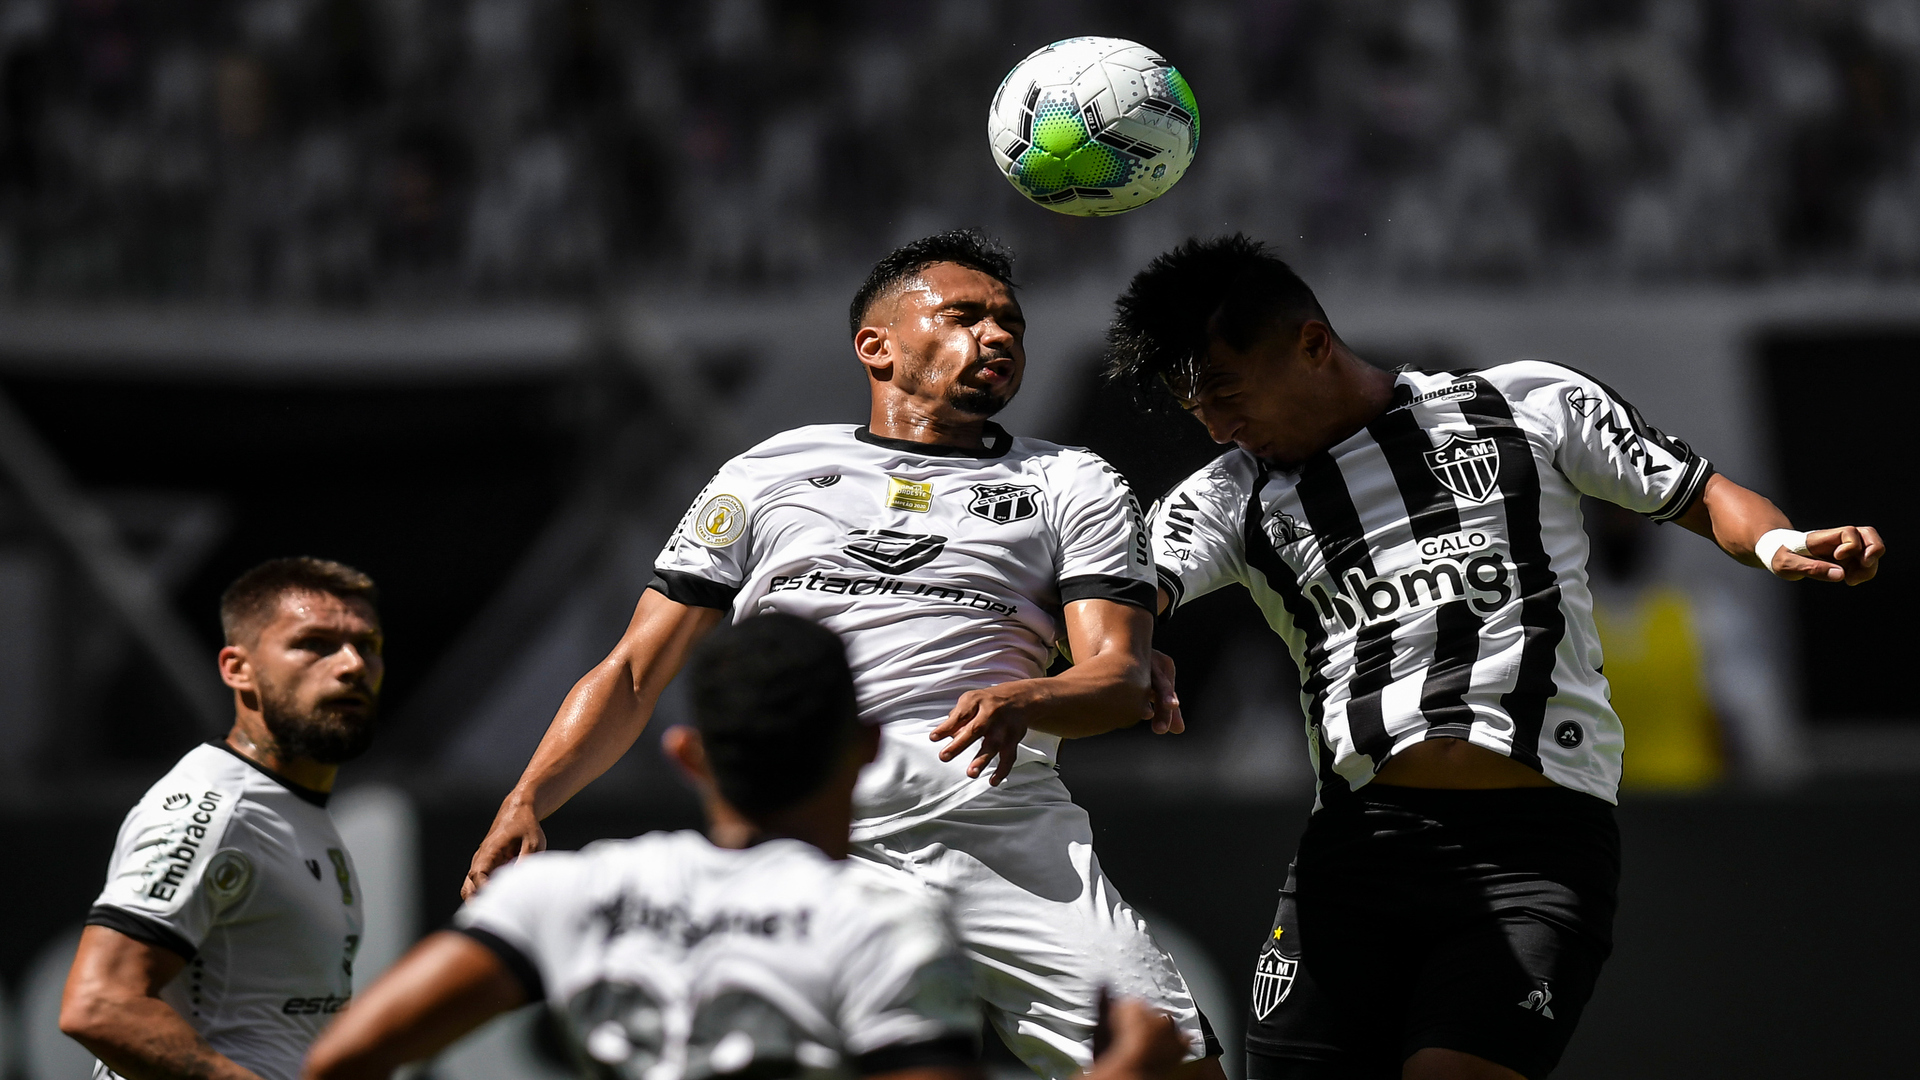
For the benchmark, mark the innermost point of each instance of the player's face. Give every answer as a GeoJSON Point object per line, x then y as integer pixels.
{"type": "Point", "coordinates": [317, 669]}
{"type": "Point", "coordinates": [1270, 399]}
{"type": "Point", "coordinates": [959, 335]}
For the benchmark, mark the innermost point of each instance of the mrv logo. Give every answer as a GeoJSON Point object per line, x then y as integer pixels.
{"type": "Point", "coordinates": [1483, 581]}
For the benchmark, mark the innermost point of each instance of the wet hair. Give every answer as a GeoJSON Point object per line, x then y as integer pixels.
{"type": "Point", "coordinates": [963, 247]}
{"type": "Point", "coordinates": [774, 703]}
{"type": "Point", "coordinates": [250, 602]}
{"type": "Point", "coordinates": [1230, 288]}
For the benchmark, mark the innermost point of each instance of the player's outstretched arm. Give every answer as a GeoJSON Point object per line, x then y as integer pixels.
{"type": "Point", "coordinates": [112, 1007]}
{"type": "Point", "coordinates": [599, 720]}
{"type": "Point", "coordinates": [447, 986]}
{"type": "Point", "coordinates": [1737, 519]}
{"type": "Point", "coordinates": [1109, 686]}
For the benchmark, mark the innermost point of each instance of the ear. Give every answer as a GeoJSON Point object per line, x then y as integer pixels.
{"type": "Point", "coordinates": [682, 745]}
{"type": "Point", "coordinates": [236, 668]}
{"type": "Point", "coordinates": [874, 346]}
{"type": "Point", "coordinates": [1315, 342]}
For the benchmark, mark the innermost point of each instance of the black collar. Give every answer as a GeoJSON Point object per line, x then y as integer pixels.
{"type": "Point", "coordinates": [996, 437]}
{"type": "Point", "coordinates": [305, 794]}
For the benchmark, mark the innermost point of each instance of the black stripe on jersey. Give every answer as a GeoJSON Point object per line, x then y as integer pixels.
{"type": "Point", "coordinates": [1285, 584]}
{"type": "Point", "coordinates": [1543, 623]}
{"type": "Point", "coordinates": [943, 1052]}
{"type": "Point", "coordinates": [1692, 483]}
{"type": "Point", "coordinates": [1432, 512]}
{"type": "Point", "coordinates": [141, 928]}
{"type": "Point", "coordinates": [1124, 590]}
{"type": "Point", "coordinates": [1343, 544]}
{"type": "Point", "coordinates": [692, 589]}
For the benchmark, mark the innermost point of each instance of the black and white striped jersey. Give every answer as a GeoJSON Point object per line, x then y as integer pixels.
{"type": "Point", "coordinates": [1429, 573]}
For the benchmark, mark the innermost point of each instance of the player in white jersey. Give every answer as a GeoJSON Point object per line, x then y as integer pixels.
{"type": "Point", "coordinates": [760, 950]}
{"type": "Point", "coordinates": [224, 939]}
{"type": "Point", "coordinates": [1415, 538]}
{"type": "Point", "coordinates": [953, 559]}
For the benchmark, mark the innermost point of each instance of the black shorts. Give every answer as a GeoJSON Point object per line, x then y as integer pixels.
{"type": "Point", "coordinates": [1468, 920]}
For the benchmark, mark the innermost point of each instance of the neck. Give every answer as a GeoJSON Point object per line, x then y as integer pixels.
{"type": "Point", "coordinates": [1361, 393]}
{"type": "Point", "coordinates": [813, 822]}
{"type": "Point", "coordinates": [251, 739]}
{"type": "Point", "coordinates": [897, 416]}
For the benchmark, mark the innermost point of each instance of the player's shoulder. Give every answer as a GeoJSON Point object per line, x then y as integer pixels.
{"type": "Point", "coordinates": [1231, 477]}
{"type": "Point", "coordinates": [1519, 380]}
{"type": "Point", "coordinates": [876, 898]}
{"type": "Point", "coordinates": [209, 779]}
{"type": "Point", "coordinates": [1066, 465]}
{"type": "Point", "coordinates": [778, 456]}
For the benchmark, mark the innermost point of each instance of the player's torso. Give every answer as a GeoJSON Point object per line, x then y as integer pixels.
{"type": "Point", "coordinates": [689, 947]}
{"type": "Point", "coordinates": [277, 966]}
{"type": "Point", "coordinates": [940, 573]}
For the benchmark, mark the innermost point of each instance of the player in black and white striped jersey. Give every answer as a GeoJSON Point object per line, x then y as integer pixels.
{"type": "Point", "coordinates": [1415, 538]}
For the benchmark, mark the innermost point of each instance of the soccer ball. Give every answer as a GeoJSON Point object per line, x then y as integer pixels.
{"type": "Point", "coordinates": [1093, 125]}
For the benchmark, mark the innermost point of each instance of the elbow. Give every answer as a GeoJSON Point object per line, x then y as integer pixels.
{"type": "Point", "coordinates": [85, 1018]}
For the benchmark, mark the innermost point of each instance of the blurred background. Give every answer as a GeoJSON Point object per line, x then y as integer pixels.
{"type": "Point", "coordinates": [475, 294]}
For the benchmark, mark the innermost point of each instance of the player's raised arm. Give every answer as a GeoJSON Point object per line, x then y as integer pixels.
{"type": "Point", "coordinates": [1750, 528]}
{"type": "Point", "coordinates": [598, 722]}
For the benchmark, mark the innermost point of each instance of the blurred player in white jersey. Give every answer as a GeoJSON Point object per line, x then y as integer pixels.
{"type": "Point", "coordinates": [224, 939]}
{"type": "Point", "coordinates": [1415, 539]}
{"type": "Point", "coordinates": [759, 950]}
{"type": "Point", "coordinates": [953, 559]}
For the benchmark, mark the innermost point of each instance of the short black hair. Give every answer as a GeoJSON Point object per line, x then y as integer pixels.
{"type": "Point", "coordinates": [970, 248]}
{"type": "Point", "coordinates": [773, 700]}
{"type": "Point", "coordinates": [250, 601]}
{"type": "Point", "coordinates": [1227, 287]}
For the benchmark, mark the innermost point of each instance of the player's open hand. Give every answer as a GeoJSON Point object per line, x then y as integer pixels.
{"type": "Point", "coordinates": [1166, 717]}
{"type": "Point", "coordinates": [515, 832]}
{"type": "Point", "coordinates": [1850, 553]}
{"type": "Point", "coordinates": [992, 718]}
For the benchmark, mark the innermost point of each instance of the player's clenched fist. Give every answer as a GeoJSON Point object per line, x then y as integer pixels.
{"type": "Point", "coordinates": [1850, 553]}
{"type": "Point", "coordinates": [515, 832]}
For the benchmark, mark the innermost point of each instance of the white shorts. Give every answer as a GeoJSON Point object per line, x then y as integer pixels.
{"type": "Point", "coordinates": [1044, 927]}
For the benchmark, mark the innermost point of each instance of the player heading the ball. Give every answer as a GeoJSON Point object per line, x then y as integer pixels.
{"type": "Point", "coordinates": [954, 559]}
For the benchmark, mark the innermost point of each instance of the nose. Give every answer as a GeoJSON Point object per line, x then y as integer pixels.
{"type": "Point", "coordinates": [993, 334]}
{"type": "Point", "coordinates": [1220, 428]}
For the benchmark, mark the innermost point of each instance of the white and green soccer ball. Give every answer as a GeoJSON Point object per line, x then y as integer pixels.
{"type": "Point", "coordinates": [1094, 125]}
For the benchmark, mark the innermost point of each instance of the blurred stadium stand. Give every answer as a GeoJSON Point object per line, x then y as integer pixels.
{"type": "Point", "coordinates": [475, 294]}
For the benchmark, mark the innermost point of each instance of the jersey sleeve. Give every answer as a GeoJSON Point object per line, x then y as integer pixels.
{"type": "Point", "coordinates": [1608, 449]}
{"type": "Point", "coordinates": [180, 863]}
{"type": "Point", "coordinates": [906, 998]}
{"type": "Point", "coordinates": [1198, 544]}
{"type": "Point", "coordinates": [521, 912]}
{"type": "Point", "coordinates": [1103, 539]}
{"type": "Point", "coordinates": [706, 559]}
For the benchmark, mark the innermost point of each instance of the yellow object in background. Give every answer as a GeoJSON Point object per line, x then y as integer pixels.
{"type": "Point", "coordinates": [1654, 665]}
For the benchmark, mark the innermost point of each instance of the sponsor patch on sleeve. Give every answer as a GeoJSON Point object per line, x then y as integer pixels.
{"type": "Point", "coordinates": [720, 521]}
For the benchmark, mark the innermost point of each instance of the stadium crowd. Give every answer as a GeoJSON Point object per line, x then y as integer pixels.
{"type": "Point", "coordinates": [342, 151]}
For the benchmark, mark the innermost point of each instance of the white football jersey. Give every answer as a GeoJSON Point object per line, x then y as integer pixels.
{"type": "Point", "coordinates": [241, 872]}
{"type": "Point", "coordinates": [1429, 573]}
{"type": "Point", "coordinates": [669, 958]}
{"type": "Point", "coordinates": [944, 570]}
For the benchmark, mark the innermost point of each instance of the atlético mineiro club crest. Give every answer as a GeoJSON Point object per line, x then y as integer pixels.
{"type": "Point", "coordinates": [1002, 503]}
{"type": "Point", "coordinates": [1470, 468]}
{"type": "Point", "coordinates": [1273, 979]}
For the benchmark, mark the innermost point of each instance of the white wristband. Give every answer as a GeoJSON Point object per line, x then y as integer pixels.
{"type": "Point", "coordinates": [1771, 542]}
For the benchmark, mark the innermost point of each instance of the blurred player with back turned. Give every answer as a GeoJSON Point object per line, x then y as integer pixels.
{"type": "Point", "coordinates": [757, 950]}
{"type": "Point", "coordinates": [1415, 538]}
{"type": "Point", "coordinates": [225, 937]}
{"type": "Point", "coordinates": [953, 559]}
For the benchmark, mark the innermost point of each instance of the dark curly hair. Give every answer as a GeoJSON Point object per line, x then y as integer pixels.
{"type": "Point", "coordinates": [250, 602]}
{"type": "Point", "coordinates": [964, 247]}
{"type": "Point", "coordinates": [1229, 288]}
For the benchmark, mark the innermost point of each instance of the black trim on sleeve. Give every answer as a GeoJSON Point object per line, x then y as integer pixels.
{"type": "Point", "coordinates": [1209, 1042]}
{"type": "Point", "coordinates": [997, 441]}
{"type": "Point", "coordinates": [946, 1051]}
{"type": "Point", "coordinates": [516, 962]}
{"type": "Point", "coordinates": [305, 794]}
{"type": "Point", "coordinates": [692, 589]}
{"type": "Point", "coordinates": [1692, 486]}
{"type": "Point", "coordinates": [1125, 590]}
{"type": "Point", "coordinates": [1176, 591]}
{"type": "Point", "coordinates": [142, 929]}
